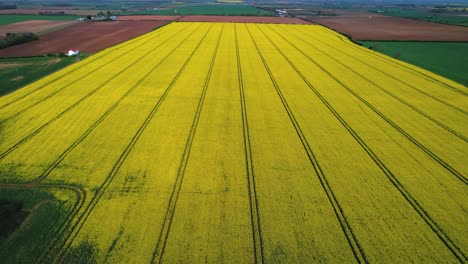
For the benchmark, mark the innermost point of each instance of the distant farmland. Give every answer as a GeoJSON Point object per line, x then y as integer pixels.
{"type": "Point", "coordinates": [238, 143]}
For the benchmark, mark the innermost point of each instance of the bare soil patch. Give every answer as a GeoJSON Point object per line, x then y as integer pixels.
{"type": "Point", "coordinates": [34, 26]}
{"type": "Point", "coordinates": [86, 37]}
{"type": "Point", "coordinates": [367, 26]}
{"type": "Point", "coordinates": [244, 19]}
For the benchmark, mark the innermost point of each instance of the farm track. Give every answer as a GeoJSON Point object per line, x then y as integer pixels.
{"type": "Point", "coordinates": [35, 132]}
{"type": "Point", "coordinates": [95, 124]}
{"type": "Point", "coordinates": [82, 218]}
{"type": "Point", "coordinates": [388, 120]}
{"type": "Point", "coordinates": [81, 198]}
{"type": "Point", "coordinates": [50, 95]}
{"type": "Point", "coordinates": [346, 227]}
{"type": "Point", "coordinates": [397, 63]}
{"type": "Point", "coordinates": [252, 190]}
{"type": "Point", "coordinates": [455, 249]}
{"type": "Point", "coordinates": [83, 64]}
{"type": "Point", "coordinates": [381, 71]}
{"type": "Point", "coordinates": [455, 133]}
{"type": "Point", "coordinates": [173, 198]}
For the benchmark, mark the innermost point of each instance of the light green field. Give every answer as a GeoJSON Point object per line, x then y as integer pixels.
{"type": "Point", "coordinates": [241, 143]}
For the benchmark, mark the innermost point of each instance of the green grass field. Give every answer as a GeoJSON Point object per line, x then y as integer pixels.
{"type": "Point", "coordinates": [8, 19]}
{"type": "Point", "coordinates": [18, 72]}
{"type": "Point", "coordinates": [424, 15]}
{"type": "Point", "coordinates": [213, 9]}
{"type": "Point", "coordinates": [445, 58]}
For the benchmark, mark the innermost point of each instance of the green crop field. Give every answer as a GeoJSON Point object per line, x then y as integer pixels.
{"type": "Point", "coordinates": [236, 143]}
{"type": "Point", "coordinates": [212, 9]}
{"type": "Point", "coordinates": [8, 19]}
{"type": "Point", "coordinates": [445, 58]}
{"type": "Point", "coordinates": [424, 15]}
{"type": "Point", "coordinates": [17, 72]}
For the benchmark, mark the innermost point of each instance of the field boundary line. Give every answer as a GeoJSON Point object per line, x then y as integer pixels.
{"type": "Point", "coordinates": [345, 226]}
{"type": "Point", "coordinates": [84, 63]}
{"type": "Point", "coordinates": [35, 132]}
{"type": "Point", "coordinates": [81, 197]}
{"type": "Point", "coordinates": [92, 71]}
{"type": "Point", "coordinates": [377, 69]}
{"type": "Point", "coordinates": [455, 133]}
{"type": "Point", "coordinates": [397, 63]}
{"type": "Point", "coordinates": [174, 197]}
{"type": "Point", "coordinates": [384, 117]}
{"type": "Point", "coordinates": [90, 129]}
{"type": "Point", "coordinates": [249, 167]}
{"type": "Point", "coordinates": [99, 193]}
{"type": "Point", "coordinates": [456, 251]}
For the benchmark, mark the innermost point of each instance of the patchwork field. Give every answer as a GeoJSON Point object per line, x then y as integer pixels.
{"type": "Point", "coordinates": [238, 143]}
{"type": "Point", "coordinates": [370, 26]}
{"type": "Point", "coordinates": [85, 36]}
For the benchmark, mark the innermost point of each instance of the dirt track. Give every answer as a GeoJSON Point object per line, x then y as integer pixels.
{"type": "Point", "coordinates": [35, 26]}
{"type": "Point", "coordinates": [244, 19]}
{"type": "Point", "coordinates": [366, 26]}
{"type": "Point", "coordinates": [86, 37]}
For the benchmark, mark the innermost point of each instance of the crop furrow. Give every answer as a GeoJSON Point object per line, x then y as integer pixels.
{"type": "Point", "coordinates": [86, 62]}
{"type": "Point", "coordinates": [253, 201]}
{"type": "Point", "coordinates": [381, 71]}
{"type": "Point", "coordinates": [455, 249]}
{"type": "Point", "coordinates": [82, 218]}
{"type": "Point", "coordinates": [346, 227]}
{"type": "Point", "coordinates": [399, 64]}
{"type": "Point", "coordinates": [455, 133]}
{"type": "Point", "coordinates": [439, 160]}
{"type": "Point", "coordinates": [35, 132]}
{"type": "Point", "coordinates": [94, 70]}
{"type": "Point", "coordinates": [166, 226]}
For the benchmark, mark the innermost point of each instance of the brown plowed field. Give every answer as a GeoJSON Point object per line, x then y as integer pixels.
{"type": "Point", "coordinates": [35, 26]}
{"type": "Point", "coordinates": [244, 19]}
{"type": "Point", "coordinates": [144, 18]}
{"type": "Point", "coordinates": [365, 26]}
{"type": "Point", "coordinates": [86, 37]}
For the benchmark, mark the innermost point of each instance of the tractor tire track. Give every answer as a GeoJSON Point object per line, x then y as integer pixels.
{"type": "Point", "coordinates": [81, 198]}
{"type": "Point", "coordinates": [100, 120]}
{"type": "Point", "coordinates": [83, 64]}
{"type": "Point", "coordinates": [351, 238]}
{"type": "Point", "coordinates": [83, 218]}
{"type": "Point", "coordinates": [398, 64]}
{"type": "Point", "coordinates": [455, 249]}
{"type": "Point", "coordinates": [455, 133]}
{"type": "Point", "coordinates": [249, 167]}
{"type": "Point", "coordinates": [50, 95]}
{"type": "Point", "coordinates": [439, 160]}
{"type": "Point", "coordinates": [25, 139]}
{"type": "Point", "coordinates": [168, 218]}
{"type": "Point", "coordinates": [381, 71]}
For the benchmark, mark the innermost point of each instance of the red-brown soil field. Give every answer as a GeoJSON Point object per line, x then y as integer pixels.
{"type": "Point", "coordinates": [244, 19]}
{"type": "Point", "coordinates": [367, 26]}
{"type": "Point", "coordinates": [86, 37]}
{"type": "Point", "coordinates": [144, 18]}
{"type": "Point", "coordinates": [35, 26]}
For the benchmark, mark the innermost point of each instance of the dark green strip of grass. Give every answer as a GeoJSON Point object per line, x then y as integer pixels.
{"type": "Point", "coordinates": [8, 19]}
{"type": "Point", "coordinates": [449, 59]}
{"type": "Point", "coordinates": [18, 72]}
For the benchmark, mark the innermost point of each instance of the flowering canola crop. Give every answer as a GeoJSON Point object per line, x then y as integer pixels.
{"type": "Point", "coordinates": [240, 143]}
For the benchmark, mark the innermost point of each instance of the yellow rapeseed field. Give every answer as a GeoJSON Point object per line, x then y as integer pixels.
{"type": "Point", "coordinates": [239, 143]}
